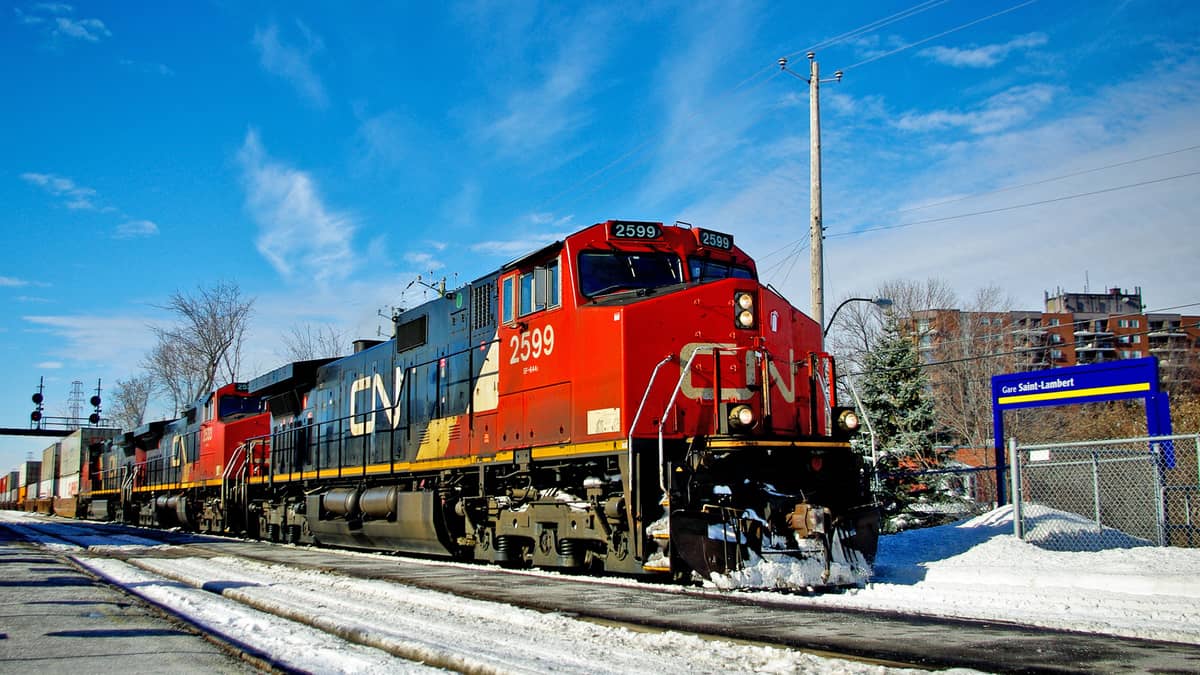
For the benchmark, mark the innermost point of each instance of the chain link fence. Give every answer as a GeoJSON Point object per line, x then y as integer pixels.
{"type": "Point", "coordinates": [1108, 494]}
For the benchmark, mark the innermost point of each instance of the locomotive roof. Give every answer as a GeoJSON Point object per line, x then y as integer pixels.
{"type": "Point", "coordinates": [545, 250]}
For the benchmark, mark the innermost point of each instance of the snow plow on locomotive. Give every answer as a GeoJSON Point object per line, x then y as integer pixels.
{"type": "Point", "coordinates": [629, 399]}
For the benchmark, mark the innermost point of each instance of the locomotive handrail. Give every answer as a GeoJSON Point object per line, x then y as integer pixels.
{"type": "Point", "coordinates": [238, 454]}
{"type": "Point", "coordinates": [127, 482]}
{"type": "Point", "coordinates": [632, 471]}
{"type": "Point", "coordinates": [684, 371]}
{"type": "Point", "coordinates": [828, 407]}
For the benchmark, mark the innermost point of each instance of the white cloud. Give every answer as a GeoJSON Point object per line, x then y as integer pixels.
{"type": "Point", "coordinates": [462, 210]}
{"type": "Point", "coordinates": [12, 282]}
{"type": "Point", "coordinates": [135, 229]}
{"type": "Point", "coordinates": [116, 342]}
{"type": "Point", "coordinates": [704, 124]}
{"type": "Point", "coordinates": [91, 30]}
{"type": "Point", "coordinates": [55, 19]}
{"type": "Point", "coordinates": [298, 234]}
{"type": "Point", "coordinates": [424, 261]}
{"type": "Point", "coordinates": [539, 115]}
{"type": "Point", "coordinates": [1004, 110]}
{"type": "Point", "coordinates": [984, 56]}
{"type": "Point", "coordinates": [556, 106]}
{"type": "Point", "coordinates": [50, 365]}
{"type": "Point", "coordinates": [54, 7]}
{"type": "Point", "coordinates": [27, 19]}
{"type": "Point", "coordinates": [149, 68]}
{"type": "Point", "coordinates": [75, 197]}
{"type": "Point", "coordinates": [382, 140]}
{"type": "Point", "coordinates": [292, 63]}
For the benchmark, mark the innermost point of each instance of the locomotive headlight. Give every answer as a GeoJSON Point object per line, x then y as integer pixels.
{"type": "Point", "coordinates": [743, 306]}
{"type": "Point", "coordinates": [741, 415]}
{"type": "Point", "coordinates": [848, 421]}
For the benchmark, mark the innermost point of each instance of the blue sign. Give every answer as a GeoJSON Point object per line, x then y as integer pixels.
{"type": "Point", "coordinates": [1112, 381]}
{"type": "Point", "coordinates": [1132, 378]}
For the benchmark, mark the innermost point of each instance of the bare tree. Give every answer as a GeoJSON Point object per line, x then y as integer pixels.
{"type": "Point", "coordinates": [203, 349]}
{"type": "Point", "coordinates": [859, 325]}
{"type": "Point", "coordinates": [972, 347]}
{"type": "Point", "coordinates": [130, 398]}
{"type": "Point", "coordinates": [307, 342]}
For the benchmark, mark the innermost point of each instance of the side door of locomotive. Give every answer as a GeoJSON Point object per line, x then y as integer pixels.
{"type": "Point", "coordinates": [535, 336]}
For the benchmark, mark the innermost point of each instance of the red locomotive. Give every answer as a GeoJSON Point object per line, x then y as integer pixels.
{"type": "Point", "coordinates": [630, 399]}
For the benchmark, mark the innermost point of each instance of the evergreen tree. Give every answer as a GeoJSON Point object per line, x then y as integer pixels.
{"type": "Point", "coordinates": [896, 398]}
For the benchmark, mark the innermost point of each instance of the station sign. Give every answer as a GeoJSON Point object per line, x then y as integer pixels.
{"type": "Point", "coordinates": [1131, 378]}
{"type": "Point", "coordinates": [1091, 383]}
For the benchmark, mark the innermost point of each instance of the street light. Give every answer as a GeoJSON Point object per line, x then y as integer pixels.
{"type": "Point", "coordinates": [882, 303]}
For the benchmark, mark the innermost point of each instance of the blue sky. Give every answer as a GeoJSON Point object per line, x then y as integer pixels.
{"type": "Point", "coordinates": [322, 155]}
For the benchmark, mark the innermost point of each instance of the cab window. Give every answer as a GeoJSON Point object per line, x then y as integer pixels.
{"type": "Point", "coordinates": [235, 406]}
{"type": "Point", "coordinates": [603, 272]}
{"type": "Point", "coordinates": [507, 299]}
{"type": "Point", "coordinates": [539, 289]}
{"type": "Point", "coordinates": [704, 269]}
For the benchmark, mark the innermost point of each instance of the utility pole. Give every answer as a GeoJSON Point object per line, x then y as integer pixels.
{"type": "Point", "coordinates": [816, 228]}
{"type": "Point", "coordinates": [816, 224]}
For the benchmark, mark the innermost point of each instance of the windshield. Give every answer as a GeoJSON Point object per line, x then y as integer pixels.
{"type": "Point", "coordinates": [237, 405]}
{"type": "Point", "coordinates": [703, 269]}
{"type": "Point", "coordinates": [610, 271]}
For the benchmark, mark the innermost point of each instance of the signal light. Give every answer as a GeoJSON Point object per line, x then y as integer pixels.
{"type": "Point", "coordinates": [94, 418]}
{"type": "Point", "coordinates": [36, 416]}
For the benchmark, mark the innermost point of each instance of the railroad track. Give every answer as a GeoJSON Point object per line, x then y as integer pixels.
{"type": "Point", "coordinates": [879, 638]}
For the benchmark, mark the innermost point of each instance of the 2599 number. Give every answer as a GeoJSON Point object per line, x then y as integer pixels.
{"type": "Point", "coordinates": [716, 240]}
{"type": "Point", "coordinates": [534, 344]}
{"type": "Point", "coordinates": [636, 230]}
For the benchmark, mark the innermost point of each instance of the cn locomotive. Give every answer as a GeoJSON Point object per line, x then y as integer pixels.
{"type": "Point", "coordinates": [630, 400]}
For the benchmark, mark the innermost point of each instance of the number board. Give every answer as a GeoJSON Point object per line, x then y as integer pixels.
{"type": "Point", "coordinates": [716, 239]}
{"type": "Point", "coordinates": [622, 230]}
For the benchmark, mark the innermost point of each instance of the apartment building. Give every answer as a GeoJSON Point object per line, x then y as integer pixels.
{"type": "Point", "coordinates": [1072, 329]}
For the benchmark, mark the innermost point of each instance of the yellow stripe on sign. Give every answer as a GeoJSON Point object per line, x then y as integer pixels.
{"type": "Point", "coordinates": [1075, 393]}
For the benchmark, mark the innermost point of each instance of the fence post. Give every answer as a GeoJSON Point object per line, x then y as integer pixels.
{"type": "Point", "coordinates": [1160, 494]}
{"type": "Point", "coordinates": [1096, 490]}
{"type": "Point", "coordinates": [1014, 460]}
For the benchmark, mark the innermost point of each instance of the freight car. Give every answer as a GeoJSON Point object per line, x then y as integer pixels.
{"type": "Point", "coordinates": [631, 399]}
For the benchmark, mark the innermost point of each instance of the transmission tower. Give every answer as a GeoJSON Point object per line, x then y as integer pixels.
{"type": "Point", "coordinates": [75, 404]}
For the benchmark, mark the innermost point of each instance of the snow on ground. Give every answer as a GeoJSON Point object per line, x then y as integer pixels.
{"type": "Point", "coordinates": [977, 569]}
{"type": "Point", "coordinates": [972, 569]}
{"type": "Point", "coordinates": [242, 601]}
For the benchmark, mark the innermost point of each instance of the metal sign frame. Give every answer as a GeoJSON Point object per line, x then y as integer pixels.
{"type": "Point", "coordinates": [1092, 383]}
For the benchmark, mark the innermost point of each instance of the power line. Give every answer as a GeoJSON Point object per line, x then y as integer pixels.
{"type": "Point", "coordinates": [1046, 180]}
{"type": "Point", "coordinates": [874, 25]}
{"type": "Point", "coordinates": [792, 246]}
{"type": "Point", "coordinates": [1014, 206]}
{"type": "Point", "coordinates": [939, 35]}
